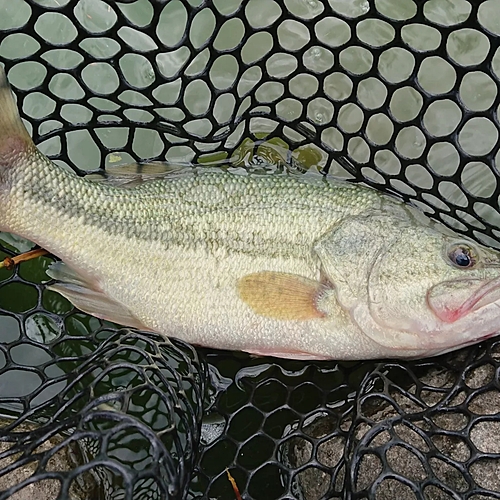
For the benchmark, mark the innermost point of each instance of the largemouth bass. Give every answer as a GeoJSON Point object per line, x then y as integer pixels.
{"type": "Point", "coordinates": [272, 264]}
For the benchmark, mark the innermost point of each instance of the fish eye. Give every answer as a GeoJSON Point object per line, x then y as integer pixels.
{"type": "Point", "coordinates": [462, 256]}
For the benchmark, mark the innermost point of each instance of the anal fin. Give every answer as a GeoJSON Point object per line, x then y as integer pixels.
{"type": "Point", "coordinates": [88, 297]}
{"type": "Point", "coordinates": [288, 354]}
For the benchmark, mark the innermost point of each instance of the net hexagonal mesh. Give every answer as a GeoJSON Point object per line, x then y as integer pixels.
{"type": "Point", "coordinates": [399, 94]}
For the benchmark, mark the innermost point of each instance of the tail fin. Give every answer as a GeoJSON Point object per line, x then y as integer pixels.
{"type": "Point", "coordinates": [14, 137]}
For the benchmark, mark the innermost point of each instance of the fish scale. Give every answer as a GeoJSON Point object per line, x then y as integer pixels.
{"type": "Point", "coordinates": [282, 264]}
{"type": "Point", "coordinates": [185, 209]}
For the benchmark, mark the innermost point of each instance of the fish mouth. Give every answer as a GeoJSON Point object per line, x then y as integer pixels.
{"type": "Point", "coordinates": [452, 300]}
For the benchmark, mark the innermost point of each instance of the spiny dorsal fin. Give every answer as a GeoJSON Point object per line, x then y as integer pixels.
{"type": "Point", "coordinates": [133, 174]}
{"type": "Point", "coordinates": [281, 295]}
{"type": "Point", "coordinates": [14, 138]}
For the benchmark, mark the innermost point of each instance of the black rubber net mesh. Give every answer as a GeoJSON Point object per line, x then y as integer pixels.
{"type": "Point", "coordinates": [399, 94]}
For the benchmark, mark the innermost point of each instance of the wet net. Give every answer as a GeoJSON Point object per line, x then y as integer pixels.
{"type": "Point", "coordinates": [399, 94]}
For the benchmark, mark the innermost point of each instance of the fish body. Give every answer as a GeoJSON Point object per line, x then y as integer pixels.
{"type": "Point", "coordinates": [275, 265]}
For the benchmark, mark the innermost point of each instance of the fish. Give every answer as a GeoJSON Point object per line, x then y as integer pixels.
{"type": "Point", "coordinates": [283, 265]}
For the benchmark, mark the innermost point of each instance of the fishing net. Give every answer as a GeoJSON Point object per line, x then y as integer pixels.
{"type": "Point", "coordinates": [398, 94]}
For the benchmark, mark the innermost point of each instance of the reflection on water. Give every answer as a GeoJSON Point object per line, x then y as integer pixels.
{"type": "Point", "coordinates": [142, 395]}
{"type": "Point", "coordinates": [43, 328]}
{"type": "Point", "coordinates": [9, 329]}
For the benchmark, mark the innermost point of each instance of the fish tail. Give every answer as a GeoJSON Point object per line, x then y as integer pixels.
{"type": "Point", "coordinates": [14, 138]}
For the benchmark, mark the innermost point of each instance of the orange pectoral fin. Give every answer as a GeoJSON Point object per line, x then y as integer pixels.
{"type": "Point", "coordinates": [281, 295]}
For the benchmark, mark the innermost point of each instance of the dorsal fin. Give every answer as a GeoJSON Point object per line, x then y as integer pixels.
{"type": "Point", "coordinates": [133, 174]}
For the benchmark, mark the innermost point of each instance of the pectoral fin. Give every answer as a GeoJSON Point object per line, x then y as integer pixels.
{"type": "Point", "coordinates": [281, 295]}
{"type": "Point", "coordinates": [87, 296]}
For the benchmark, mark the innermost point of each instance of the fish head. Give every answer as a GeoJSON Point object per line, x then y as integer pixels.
{"type": "Point", "coordinates": [411, 285]}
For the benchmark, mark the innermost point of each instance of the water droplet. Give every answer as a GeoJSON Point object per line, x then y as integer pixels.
{"type": "Point", "coordinates": [257, 160]}
{"type": "Point", "coordinates": [365, 8]}
{"type": "Point", "coordinates": [319, 117]}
